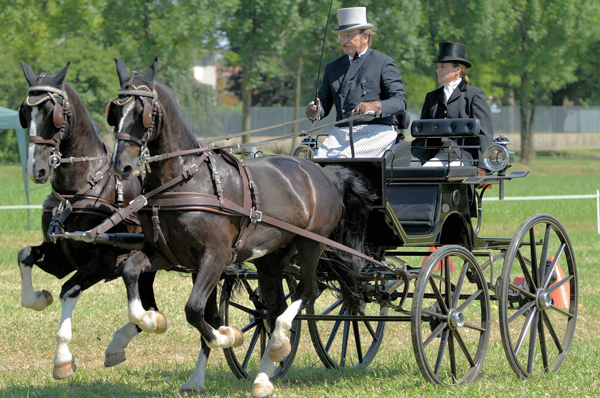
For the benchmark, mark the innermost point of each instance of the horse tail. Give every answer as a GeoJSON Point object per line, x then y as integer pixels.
{"type": "Point", "coordinates": [341, 266]}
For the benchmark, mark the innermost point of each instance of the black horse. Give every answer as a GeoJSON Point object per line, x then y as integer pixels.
{"type": "Point", "coordinates": [84, 193]}
{"type": "Point", "coordinates": [212, 216]}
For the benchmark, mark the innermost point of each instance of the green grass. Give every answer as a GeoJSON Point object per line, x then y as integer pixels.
{"type": "Point", "coordinates": [158, 365]}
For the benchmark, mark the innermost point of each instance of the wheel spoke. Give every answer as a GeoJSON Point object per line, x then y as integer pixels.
{"type": "Point", "coordinates": [532, 342]}
{"type": "Point", "coordinates": [533, 252]}
{"type": "Point", "coordinates": [434, 334]}
{"type": "Point", "coordinates": [561, 311]}
{"type": "Point", "coordinates": [542, 338]}
{"type": "Point", "coordinates": [521, 311]}
{"type": "Point", "coordinates": [332, 307]}
{"type": "Point", "coordinates": [463, 347]}
{"type": "Point", "coordinates": [530, 282]}
{"type": "Point", "coordinates": [333, 334]}
{"type": "Point", "coordinates": [552, 332]}
{"type": "Point", "coordinates": [438, 296]}
{"type": "Point", "coordinates": [371, 330]}
{"type": "Point", "coordinates": [521, 290]}
{"type": "Point", "coordinates": [459, 284]}
{"type": "Point", "coordinates": [357, 341]}
{"type": "Point", "coordinates": [469, 300]}
{"type": "Point", "coordinates": [474, 327]}
{"type": "Point", "coordinates": [247, 310]}
{"type": "Point", "coordinates": [345, 342]}
{"type": "Point", "coordinates": [251, 346]}
{"type": "Point", "coordinates": [448, 287]}
{"type": "Point", "coordinates": [436, 315]}
{"type": "Point", "coordinates": [559, 253]}
{"type": "Point", "coordinates": [438, 362]}
{"type": "Point", "coordinates": [248, 326]}
{"type": "Point", "coordinates": [543, 256]}
{"type": "Point", "coordinates": [524, 330]}
{"type": "Point", "coordinates": [560, 283]}
{"type": "Point", "coordinates": [452, 355]}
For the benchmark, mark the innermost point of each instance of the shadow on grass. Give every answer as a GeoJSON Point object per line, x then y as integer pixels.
{"type": "Point", "coordinates": [219, 382]}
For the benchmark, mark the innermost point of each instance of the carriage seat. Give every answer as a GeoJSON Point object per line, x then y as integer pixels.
{"type": "Point", "coordinates": [455, 129]}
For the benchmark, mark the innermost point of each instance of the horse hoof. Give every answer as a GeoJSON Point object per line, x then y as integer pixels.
{"type": "Point", "coordinates": [65, 370]}
{"type": "Point", "coordinates": [232, 333]}
{"type": "Point", "coordinates": [239, 337]}
{"type": "Point", "coordinates": [262, 390]}
{"type": "Point", "coordinates": [114, 358]}
{"type": "Point", "coordinates": [48, 297]}
{"type": "Point", "coordinates": [189, 392]}
{"type": "Point", "coordinates": [278, 354]}
{"type": "Point", "coordinates": [161, 323]}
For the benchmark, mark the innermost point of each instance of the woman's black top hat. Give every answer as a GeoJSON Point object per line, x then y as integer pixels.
{"type": "Point", "coordinates": [453, 52]}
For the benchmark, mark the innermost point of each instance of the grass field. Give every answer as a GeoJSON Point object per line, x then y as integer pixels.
{"type": "Point", "coordinates": [158, 365]}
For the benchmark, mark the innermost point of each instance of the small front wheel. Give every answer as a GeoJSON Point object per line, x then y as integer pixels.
{"type": "Point", "coordinates": [450, 323]}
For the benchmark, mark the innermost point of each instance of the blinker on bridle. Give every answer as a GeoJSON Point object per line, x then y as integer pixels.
{"type": "Point", "coordinates": [150, 110]}
{"type": "Point", "coordinates": [60, 114]}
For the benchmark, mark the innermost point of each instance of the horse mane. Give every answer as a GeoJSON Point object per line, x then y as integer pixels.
{"type": "Point", "coordinates": [169, 102]}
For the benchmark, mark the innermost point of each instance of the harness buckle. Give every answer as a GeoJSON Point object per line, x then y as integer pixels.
{"type": "Point", "coordinates": [54, 159]}
{"type": "Point", "coordinates": [145, 159]}
{"type": "Point", "coordinates": [98, 177]}
{"type": "Point", "coordinates": [255, 215]}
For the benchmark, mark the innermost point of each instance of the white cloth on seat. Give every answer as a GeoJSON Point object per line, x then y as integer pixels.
{"type": "Point", "coordinates": [441, 159]}
{"type": "Point", "coordinates": [370, 141]}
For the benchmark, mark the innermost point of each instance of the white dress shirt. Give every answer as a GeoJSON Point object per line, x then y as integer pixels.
{"type": "Point", "coordinates": [359, 55]}
{"type": "Point", "coordinates": [449, 88]}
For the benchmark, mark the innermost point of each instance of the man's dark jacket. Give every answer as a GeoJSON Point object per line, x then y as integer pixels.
{"type": "Point", "coordinates": [465, 102]}
{"type": "Point", "coordinates": [372, 77]}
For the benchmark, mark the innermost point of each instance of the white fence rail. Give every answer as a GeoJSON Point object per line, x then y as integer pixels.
{"type": "Point", "coordinates": [553, 197]}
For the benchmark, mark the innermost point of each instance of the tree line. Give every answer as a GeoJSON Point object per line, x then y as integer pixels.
{"type": "Point", "coordinates": [525, 52]}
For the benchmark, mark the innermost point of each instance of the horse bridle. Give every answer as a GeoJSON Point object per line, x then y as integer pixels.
{"type": "Point", "coordinates": [151, 111]}
{"type": "Point", "coordinates": [60, 114]}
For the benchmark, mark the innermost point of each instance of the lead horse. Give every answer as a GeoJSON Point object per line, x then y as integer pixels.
{"type": "Point", "coordinates": [65, 146]}
{"type": "Point", "coordinates": [207, 210]}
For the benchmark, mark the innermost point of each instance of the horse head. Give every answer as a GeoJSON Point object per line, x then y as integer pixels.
{"type": "Point", "coordinates": [134, 115]}
{"type": "Point", "coordinates": [46, 112]}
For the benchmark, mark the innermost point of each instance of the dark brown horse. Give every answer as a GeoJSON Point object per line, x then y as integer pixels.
{"type": "Point", "coordinates": [202, 231]}
{"type": "Point", "coordinates": [84, 193]}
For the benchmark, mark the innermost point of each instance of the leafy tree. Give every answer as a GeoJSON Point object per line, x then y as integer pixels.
{"type": "Point", "coordinates": [541, 50]}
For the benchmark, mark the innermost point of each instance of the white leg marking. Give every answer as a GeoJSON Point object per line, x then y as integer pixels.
{"type": "Point", "coordinates": [29, 297]}
{"type": "Point", "coordinates": [139, 316]}
{"type": "Point", "coordinates": [257, 254]}
{"type": "Point", "coordinates": [122, 337]}
{"type": "Point", "coordinates": [225, 340]}
{"type": "Point", "coordinates": [196, 382]}
{"type": "Point", "coordinates": [64, 335]}
{"type": "Point", "coordinates": [284, 322]}
{"type": "Point", "coordinates": [262, 386]}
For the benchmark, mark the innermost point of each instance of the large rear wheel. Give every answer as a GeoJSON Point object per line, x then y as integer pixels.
{"type": "Point", "coordinates": [539, 297]}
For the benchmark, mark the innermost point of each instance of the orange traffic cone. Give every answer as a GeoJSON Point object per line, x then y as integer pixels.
{"type": "Point", "coordinates": [562, 295]}
{"type": "Point", "coordinates": [437, 266]}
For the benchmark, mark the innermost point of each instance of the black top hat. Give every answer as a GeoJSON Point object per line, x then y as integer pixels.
{"type": "Point", "coordinates": [453, 52]}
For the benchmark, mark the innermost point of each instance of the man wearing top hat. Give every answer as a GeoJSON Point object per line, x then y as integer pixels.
{"type": "Point", "coordinates": [359, 81]}
{"type": "Point", "coordinates": [456, 98]}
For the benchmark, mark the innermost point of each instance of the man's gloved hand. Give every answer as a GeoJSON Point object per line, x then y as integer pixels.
{"type": "Point", "coordinates": [312, 111]}
{"type": "Point", "coordinates": [365, 107]}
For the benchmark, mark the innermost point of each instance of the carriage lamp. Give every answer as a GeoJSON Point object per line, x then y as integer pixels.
{"type": "Point", "coordinates": [497, 157]}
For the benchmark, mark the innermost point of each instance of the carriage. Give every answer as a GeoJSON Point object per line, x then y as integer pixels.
{"type": "Point", "coordinates": [436, 273]}
{"type": "Point", "coordinates": [423, 260]}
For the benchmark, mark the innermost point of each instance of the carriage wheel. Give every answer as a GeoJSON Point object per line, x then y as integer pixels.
{"type": "Point", "coordinates": [538, 297]}
{"type": "Point", "coordinates": [450, 324]}
{"type": "Point", "coordinates": [246, 307]}
{"type": "Point", "coordinates": [344, 344]}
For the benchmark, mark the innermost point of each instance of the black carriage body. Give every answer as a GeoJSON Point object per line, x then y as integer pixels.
{"type": "Point", "coordinates": [416, 206]}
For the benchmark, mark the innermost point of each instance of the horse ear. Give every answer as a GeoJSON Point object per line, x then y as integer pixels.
{"type": "Point", "coordinates": [121, 71]}
{"type": "Point", "coordinates": [149, 76]}
{"type": "Point", "coordinates": [28, 72]}
{"type": "Point", "coordinates": [60, 76]}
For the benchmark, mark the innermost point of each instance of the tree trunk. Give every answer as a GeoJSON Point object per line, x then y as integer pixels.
{"type": "Point", "coordinates": [298, 94]}
{"type": "Point", "coordinates": [246, 104]}
{"type": "Point", "coordinates": [523, 105]}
